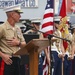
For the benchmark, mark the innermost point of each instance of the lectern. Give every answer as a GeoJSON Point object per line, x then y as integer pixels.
{"type": "Point", "coordinates": [33, 48]}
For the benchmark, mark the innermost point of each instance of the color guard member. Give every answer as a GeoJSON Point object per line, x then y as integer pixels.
{"type": "Point", "coordinates": [57, 48]}
{"type": "Point", "coordinates": [35, 22]}
{"type": "Point", "coordinates": [68, 58]}
{"type": "Point", "coordinates": [73, 50]}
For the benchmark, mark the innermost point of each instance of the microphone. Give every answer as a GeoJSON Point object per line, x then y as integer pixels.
{"type": "Point", "coordinates": [70, 28]}
{"type": "Point", "coordinates": [28, 26]}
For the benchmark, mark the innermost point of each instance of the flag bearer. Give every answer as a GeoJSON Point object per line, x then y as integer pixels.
{"type": "Point", "coordinates": [35, 23]}
{"type": "Point", "coordinates": [73, 50]}
{"type": "Point", "coordinates": [67, 58]}
{"type": "Point", "coordinates": [57, 48]}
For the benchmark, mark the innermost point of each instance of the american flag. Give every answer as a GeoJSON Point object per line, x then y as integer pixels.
{"type": "Point", "coordinates": [46, 65]}
{"type": "Point", "coordinates": [47, 24]}
{"type": "Point", "coordinates": [47, 27]}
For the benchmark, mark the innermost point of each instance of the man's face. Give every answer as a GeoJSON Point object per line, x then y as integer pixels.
{"type": "Point", "coordinates": [15, 16]}
{"type": "Point", "coordinates": [56, 25]}
{"type": "Point", "coordinates": [74, 30]}
{"type": "Point", "coordinates": [36, 26]}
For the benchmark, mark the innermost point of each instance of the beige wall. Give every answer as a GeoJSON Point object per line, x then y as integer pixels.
{"type": "Point", "coordinates": [73, 0]}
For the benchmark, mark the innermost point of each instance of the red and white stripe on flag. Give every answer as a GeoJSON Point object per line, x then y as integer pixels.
{"type": "Point", "coordinates": [47, 24]}
{"type": "Point", "coordinates": [45, 67]}
{"type": "Point", "coordinates": [46, 64]}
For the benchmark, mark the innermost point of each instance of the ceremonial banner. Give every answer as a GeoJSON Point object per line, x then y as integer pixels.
{"type": "Point", "coordinates": [63, 25]}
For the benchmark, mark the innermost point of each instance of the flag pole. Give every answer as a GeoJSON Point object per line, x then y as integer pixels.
{"type": "Point", "coordinates": [49, 70]}
{"type": "Point", "coordinates": [62, 13]}
{"type": "Point", "coordinates": [51, 55]}
{"type": "Point", "coordinates": [62, 66]}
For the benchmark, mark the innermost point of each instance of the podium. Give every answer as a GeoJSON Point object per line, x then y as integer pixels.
{"type": "Point", "coordinates": [33, 48]}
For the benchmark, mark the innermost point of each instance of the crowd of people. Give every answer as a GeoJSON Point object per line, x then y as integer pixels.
{"type": "Point", "coordinates": [62, 56]}
{"type": "Point", "coordinates": [12, 39]}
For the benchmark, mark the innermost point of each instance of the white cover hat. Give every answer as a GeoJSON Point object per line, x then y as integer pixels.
{"type": "Point", "coordinates": [68, 18]}
{"type": "Point", "coordinates": [36, 20]}
{"type": "Point", "coordinates": [57, 18]}
{"type": "Point", "coordinates": [16, 7]}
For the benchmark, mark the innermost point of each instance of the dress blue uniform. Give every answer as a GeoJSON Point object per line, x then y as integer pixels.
{"type": "Point", "coordinates": [73, 43]}
{"type": "Point", "coordinates": [55, 48]}
{"type": "Point", "coordinates": [67, 62]}
{"type": "Point", "coordinates": [57, 60]}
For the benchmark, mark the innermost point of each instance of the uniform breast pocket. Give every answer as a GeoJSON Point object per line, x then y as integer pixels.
{"type": "Point", "coordinates": [9, 34]}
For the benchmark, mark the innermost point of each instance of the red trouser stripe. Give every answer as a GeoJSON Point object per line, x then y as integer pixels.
{"type": "Point", "coordinates": [2, 68]}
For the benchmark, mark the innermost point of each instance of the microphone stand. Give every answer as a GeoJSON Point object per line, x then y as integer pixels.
{"type": "Point", "coordinates": [49, 38]}
{"type": "Point", "coordinates": [51, 55]}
